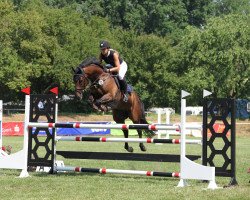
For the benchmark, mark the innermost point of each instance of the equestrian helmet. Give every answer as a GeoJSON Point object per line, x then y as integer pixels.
{"type": "Point", "coordinates": [104, 45]}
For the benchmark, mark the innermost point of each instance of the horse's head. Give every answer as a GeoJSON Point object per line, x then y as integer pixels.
{"type": "Point", "coordinates": [81, 82]}
{"type": "Point", "coordinates": [86, 75]}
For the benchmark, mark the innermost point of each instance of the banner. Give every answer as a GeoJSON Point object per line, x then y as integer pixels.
{"type": "Point", "coordinates": [12, 128]}
{"type": "Point", "coordinates": [78, 131]}
{"type": "Point", "coordinates": [17, 128]}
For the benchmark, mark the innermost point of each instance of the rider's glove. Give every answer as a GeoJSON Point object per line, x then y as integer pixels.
{"type": "Point", "coordinates": [107, 70]}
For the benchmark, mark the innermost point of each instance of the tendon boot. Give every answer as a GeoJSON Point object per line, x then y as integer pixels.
{"type": "Point", "coordinates": [124, 86]}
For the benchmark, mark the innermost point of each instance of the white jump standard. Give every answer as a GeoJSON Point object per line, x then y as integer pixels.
{"type": "Point", "coordinates": [190, 169]}
{"type": "Point", "coordinates": [19, 159]}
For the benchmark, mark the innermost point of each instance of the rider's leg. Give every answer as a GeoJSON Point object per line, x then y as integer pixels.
{"type": "Point", "coordinates": [122, 81]}
{"type": "Point", "coordinates": [124, 86]}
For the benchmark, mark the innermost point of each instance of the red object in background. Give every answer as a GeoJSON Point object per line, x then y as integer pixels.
{"type": "Point", "coordinates": [12, 128]}
{"type": "Point", "coordinates": [26, 90]}
{"type": "Point", "coordinates": [218, 128]}
{"type": "Point", "coordinates": [54, 90]}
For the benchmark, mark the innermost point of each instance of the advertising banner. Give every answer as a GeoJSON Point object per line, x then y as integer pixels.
{"type": "Point", "coordinates": [16, 129]}
{"type": "Point", "coordinates": [12, 128]}
{"type": "Point", "coordinates": [79, 131]}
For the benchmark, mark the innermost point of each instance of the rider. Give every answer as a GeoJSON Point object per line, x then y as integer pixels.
{"type": "Point", "coordinates": [120, 67]}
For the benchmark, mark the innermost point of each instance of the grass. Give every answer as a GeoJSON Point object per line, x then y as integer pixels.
{"type": "Point", "coordinates": [109, 186]}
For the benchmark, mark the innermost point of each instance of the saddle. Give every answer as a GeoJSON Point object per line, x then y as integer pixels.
{"type": "Point", "coordinates": [117, 81]}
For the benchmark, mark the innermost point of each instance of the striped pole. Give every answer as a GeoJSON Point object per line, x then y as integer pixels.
{"type": "Point", "coordinates": [153, 127]}
{"type": "Point", "coordinates": [137, 140]}
{"type": "Point", "coordinates": [104, 126]}
{"type": "Point", "coordinates": [117, 171]}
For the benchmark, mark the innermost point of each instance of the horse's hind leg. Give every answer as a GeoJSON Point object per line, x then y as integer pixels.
{"type": "Point", "coordinates": [141, 145]}
{"type": "Point", "coordinates": [120, 117]}
{"type": "Point", "coordinates": [126, 146]}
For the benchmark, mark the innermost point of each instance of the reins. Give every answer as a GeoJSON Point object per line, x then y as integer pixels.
{"type": "Point", "coordinates": [91, 84]}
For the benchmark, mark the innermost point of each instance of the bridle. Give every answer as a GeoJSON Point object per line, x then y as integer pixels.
{"type": "Point", "coordinates": [82, 80]}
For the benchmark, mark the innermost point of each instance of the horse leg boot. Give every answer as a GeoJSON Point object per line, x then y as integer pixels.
{"type": "Point", "coordinates": [91, 101]}
{"type": "Point", "coordinates": [141, 145]}
{"type": "Point", "coordinates": [124, 87]}
{"type": "Point", "coordinates": [126, 146]}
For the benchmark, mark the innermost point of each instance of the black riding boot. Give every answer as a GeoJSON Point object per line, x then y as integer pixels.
{"type": "Point", "coordinates": [124, 86]}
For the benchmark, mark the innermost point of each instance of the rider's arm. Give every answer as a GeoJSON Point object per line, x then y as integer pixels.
{"type": "Point", "coordinates": [100, 58]}
{"type": "Point", "coordinates": [117, 63]}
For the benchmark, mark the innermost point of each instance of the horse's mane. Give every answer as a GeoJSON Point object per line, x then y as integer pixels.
{"type": "Point", "coordinates": [90, 61]}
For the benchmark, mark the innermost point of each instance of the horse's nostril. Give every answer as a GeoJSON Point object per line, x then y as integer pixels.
{"type": "Point", "coordinates": [78, 95]}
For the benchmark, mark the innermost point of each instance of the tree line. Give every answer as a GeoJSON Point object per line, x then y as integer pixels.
{"type": "Point", "coordinates": [168, 45]}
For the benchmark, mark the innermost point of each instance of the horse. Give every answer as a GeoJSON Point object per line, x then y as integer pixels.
{"type": "Point", "coordinates": [105, 93]}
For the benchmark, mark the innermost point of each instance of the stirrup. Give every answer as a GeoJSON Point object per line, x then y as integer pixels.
{"type": "Point", "coordinates": [125, 97]}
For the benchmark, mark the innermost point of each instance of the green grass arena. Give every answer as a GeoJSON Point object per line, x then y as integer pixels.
{"type": "Point", "coordinates": [112, 186]}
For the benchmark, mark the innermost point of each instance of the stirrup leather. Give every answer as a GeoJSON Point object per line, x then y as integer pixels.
{"type": "Point", "coordinates": [125, 97]}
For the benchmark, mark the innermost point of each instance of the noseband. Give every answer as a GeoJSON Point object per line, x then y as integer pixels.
{"type": "Point", "coordinates": [79, 74]}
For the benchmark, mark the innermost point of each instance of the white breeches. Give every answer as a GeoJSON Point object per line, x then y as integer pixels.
{"type": "Point", "coordinates": [123, 70]}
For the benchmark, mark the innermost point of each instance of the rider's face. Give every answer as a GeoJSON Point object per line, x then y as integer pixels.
{"type": "Point", "coordinates": [104, 51]}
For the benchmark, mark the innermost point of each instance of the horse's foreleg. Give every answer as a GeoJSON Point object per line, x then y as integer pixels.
{"type": "Point", "coordinates": [141, 145]}
{"type": "Point", "coordinates": [126, 146]}
{"type": "Point", "coordinates": [105, 99]}
{"type": "Point", "coordinates": [91, 101]}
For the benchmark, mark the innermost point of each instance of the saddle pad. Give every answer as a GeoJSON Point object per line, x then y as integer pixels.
{"type": "Point", "coordinates": [129, 88]}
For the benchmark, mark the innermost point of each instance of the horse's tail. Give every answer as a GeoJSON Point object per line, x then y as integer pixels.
{"type": "Point", "coordinates": [147, 133]}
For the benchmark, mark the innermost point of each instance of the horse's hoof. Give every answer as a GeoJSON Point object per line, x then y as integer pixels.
{"type": "Point", "coordinates": [98, 102]}
{"type": "Point", "coordinates": [143, 148]}
{"type": "Point", "coordinates": [95, 107]}
{"type": "Point", "coordinates": [130, 149]}
{"type": "Point", "coordinates": [104, 108]}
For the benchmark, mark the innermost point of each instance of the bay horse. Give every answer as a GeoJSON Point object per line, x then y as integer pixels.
{"type": "Point", "coordinates": [105, 93]}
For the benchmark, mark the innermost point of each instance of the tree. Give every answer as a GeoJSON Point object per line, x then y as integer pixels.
{"type": "Point", "coordinates": [149, 71]}
{"type": "Point", "coordinates": [217, 57]}
{"type": "Point", "coordinates": [225, 7]}
{"type": "Point", "coordinates": [13, 71]}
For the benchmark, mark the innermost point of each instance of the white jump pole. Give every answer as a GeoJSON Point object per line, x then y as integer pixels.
{"type": "Point", "coordinates": [132, 140]}
{"type": "Point", "coordinates": [190, 169]}
{"type": "Point", "coordinates": [19, 160]}
{"type": "Point", "coordinates": [1, 129]}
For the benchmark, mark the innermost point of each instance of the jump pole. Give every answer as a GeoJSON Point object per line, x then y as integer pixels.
{"type": "Point", "coordinates": [133, 140]}
{"type": "Point", "coordinates": [18, 160]}
{"type": "Point", "coordinates": [2, 152]}
{"type": "Point", "coordinates": [153, 127]}
{"type": "Point", "coordinates": [118, 171]}
{"type": "Point", "coordinates": [190, 169]}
